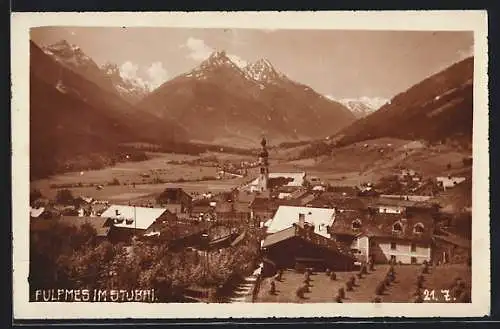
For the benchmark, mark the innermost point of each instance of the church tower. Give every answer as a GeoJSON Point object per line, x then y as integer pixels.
{"type": "Point", "coordinates": [264, 167]}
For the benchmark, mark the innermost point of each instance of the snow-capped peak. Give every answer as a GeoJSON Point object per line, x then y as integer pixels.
{"type": "Point", "coordinates": [216, 61]}
{"type": "Point", "coordinates": [111, 69]}
{"type": "Point", "coordinates": [69, 54]}
{"type": "Point", "coordinates": [361, 106]}
{"type": "Point", "coordinates": [263, 71]}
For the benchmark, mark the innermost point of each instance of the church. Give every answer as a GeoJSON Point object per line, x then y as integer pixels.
{"type": "Point", "coordinates": [282, 183]}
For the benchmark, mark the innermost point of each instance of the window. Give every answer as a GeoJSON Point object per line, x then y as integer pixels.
{"type": "Point", "coordinates": [418, 228]}
{"type": "Point", "coordinates": [393, 259]}
{"type": "Point", "coordinates": [414, 260]}
{"type": "Point", "coordinates": [356, 224]}
{"type": "Point", "coordinates": [413, 247]}
{"type": "Point", "coordinates": [393, 245]}
{"type": "Point", "coordinates": [397, 227]}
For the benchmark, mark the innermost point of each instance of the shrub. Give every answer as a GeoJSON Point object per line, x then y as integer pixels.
{"type": "Point", "coordinates": [420, 278]}
{"type": "Point", "coordinates": [341, 292]}
{"type": "Point", "coordinates": [387, 280]}
{"type": "Point", "coordinates": [64, 197]}
{"type": "Point", "coordinates": [464, 297]}
{"type": "Point", "coordinates": [272, 288]}
{"type": "Point", "coordinates": [300, 292]}
{"type": "Point", "coordinates": [379, 290]}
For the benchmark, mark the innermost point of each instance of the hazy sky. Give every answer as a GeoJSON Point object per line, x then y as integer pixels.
{"type": "Point", "coordinates": [343, 64]}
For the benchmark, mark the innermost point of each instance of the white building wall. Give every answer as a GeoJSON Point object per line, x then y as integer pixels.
{"type": "Point", "coordinates": [380, 248]}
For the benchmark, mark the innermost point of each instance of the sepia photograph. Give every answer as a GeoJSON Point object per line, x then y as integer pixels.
{"type": "Point", "coordinates": [236, 166]}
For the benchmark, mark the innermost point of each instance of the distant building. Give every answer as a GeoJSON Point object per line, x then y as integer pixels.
{"type": "Point", "coordinates": [176, 200]}
{"type": "Point", "coordinates": [449, 181]}
{"type": "Point", "coordinates": [128, 221]}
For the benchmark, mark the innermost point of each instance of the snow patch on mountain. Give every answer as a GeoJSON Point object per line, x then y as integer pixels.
{"type": "Point", "coordinates": [361, 106]}
{"type": "Point", "coordinates": [263, 71]}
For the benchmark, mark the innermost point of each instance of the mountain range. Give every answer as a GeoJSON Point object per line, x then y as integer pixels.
{"type": "Point", "coordinates": [219, 102]}
{"type": "Point", "coordinates": [107, 77]}
{"type": "Point", "coordinates": [436, 109]}
{"type": "Point", "coordinates": [72, 115]}
{"type": "Point", "coordinates": [78, 108]}
{"type": "Point", "coordinates": [362, 106]}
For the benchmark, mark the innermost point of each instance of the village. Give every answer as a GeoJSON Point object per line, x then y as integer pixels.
{"type": "Point", "coordinates": [270, 238]}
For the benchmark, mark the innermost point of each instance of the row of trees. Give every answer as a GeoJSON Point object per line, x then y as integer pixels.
{"type": "Point", "coordinates": [66, 257]}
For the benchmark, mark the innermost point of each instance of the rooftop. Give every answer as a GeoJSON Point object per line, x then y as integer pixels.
{"type": "Point", "coordinates": [133, 217]}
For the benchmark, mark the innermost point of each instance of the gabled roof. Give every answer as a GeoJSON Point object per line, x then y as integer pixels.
{"type": "Point", "coordinates": [138, 217]}
{"type": "Point", "coordinates": [286, 216]}
{"type": "Point", "coordinates": [96, 222]}
{"type": "Point", "coordinates": [381, 225]}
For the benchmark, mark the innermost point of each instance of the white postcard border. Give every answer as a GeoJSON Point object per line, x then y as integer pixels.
{"type": "Point", "coordinates": [350, 20]}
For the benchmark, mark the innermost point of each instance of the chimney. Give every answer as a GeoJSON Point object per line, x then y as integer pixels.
{"type": "Point", "coordinates": [302, 220]}
{"type": "Point", "coordinates": [117, 212]}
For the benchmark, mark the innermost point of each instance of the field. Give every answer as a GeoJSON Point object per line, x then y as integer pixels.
{"type": "Point", "coordinates": [142, 174]}
{"type": "Point", "coordinates": [323, 289]}
{"type": "Point", "coordinates": [349, 165]}
{"type": "Point", "coordinates": [368, 161]}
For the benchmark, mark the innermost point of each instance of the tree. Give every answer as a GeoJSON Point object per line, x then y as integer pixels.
{"type": "Point", "coordinates": [35, 195]}
{"type": "Point", "coordinates": [65, 197]}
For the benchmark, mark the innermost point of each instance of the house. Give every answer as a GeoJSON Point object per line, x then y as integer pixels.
{"type": "Point", "coordinates": [37, 212]}
{"type": "Point", "coordinates": [385, 236]}
{"type": "Point", "coordinates": [101, 225]}
{"type": "Point", "coordinates": [130, 220]}
{"type": "Point", "coordinates": [262, 209]}
{"type": "Point", "coordinates": [318, 218]}
{"type": "Point", "coordinates": [449, 181]}
{"type": "Point", "coordinates": [399, 206]}
{"type": "Point", "coordinates": [176, 200]}
{"type": "Point", "coordinates": [291, 179]}
{"type": "Point", "coordinates": [329, 200]}
{"type": "Point", "coordinates": [301, 242]}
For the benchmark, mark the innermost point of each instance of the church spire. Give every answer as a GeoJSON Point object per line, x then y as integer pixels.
{"type": "Point", "coordinates": [264, 166]}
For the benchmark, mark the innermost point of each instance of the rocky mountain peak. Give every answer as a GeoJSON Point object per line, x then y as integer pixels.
{"type": "Point", "coordinates": [263, 71]}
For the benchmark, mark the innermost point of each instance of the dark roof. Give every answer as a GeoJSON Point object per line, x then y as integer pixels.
{"type": "Point", "coordinates": [173, 194]}
{"type": "Point", "coordinates": [381, 225]}
{"type": "Point", "coordinates": [376, 202]}
{"type": "Point", "coordinates": [96, 222]}
{"type": "Point", "coordinates": [259, 203]}
{"type": "Point", "coordinates": [345, 203]}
